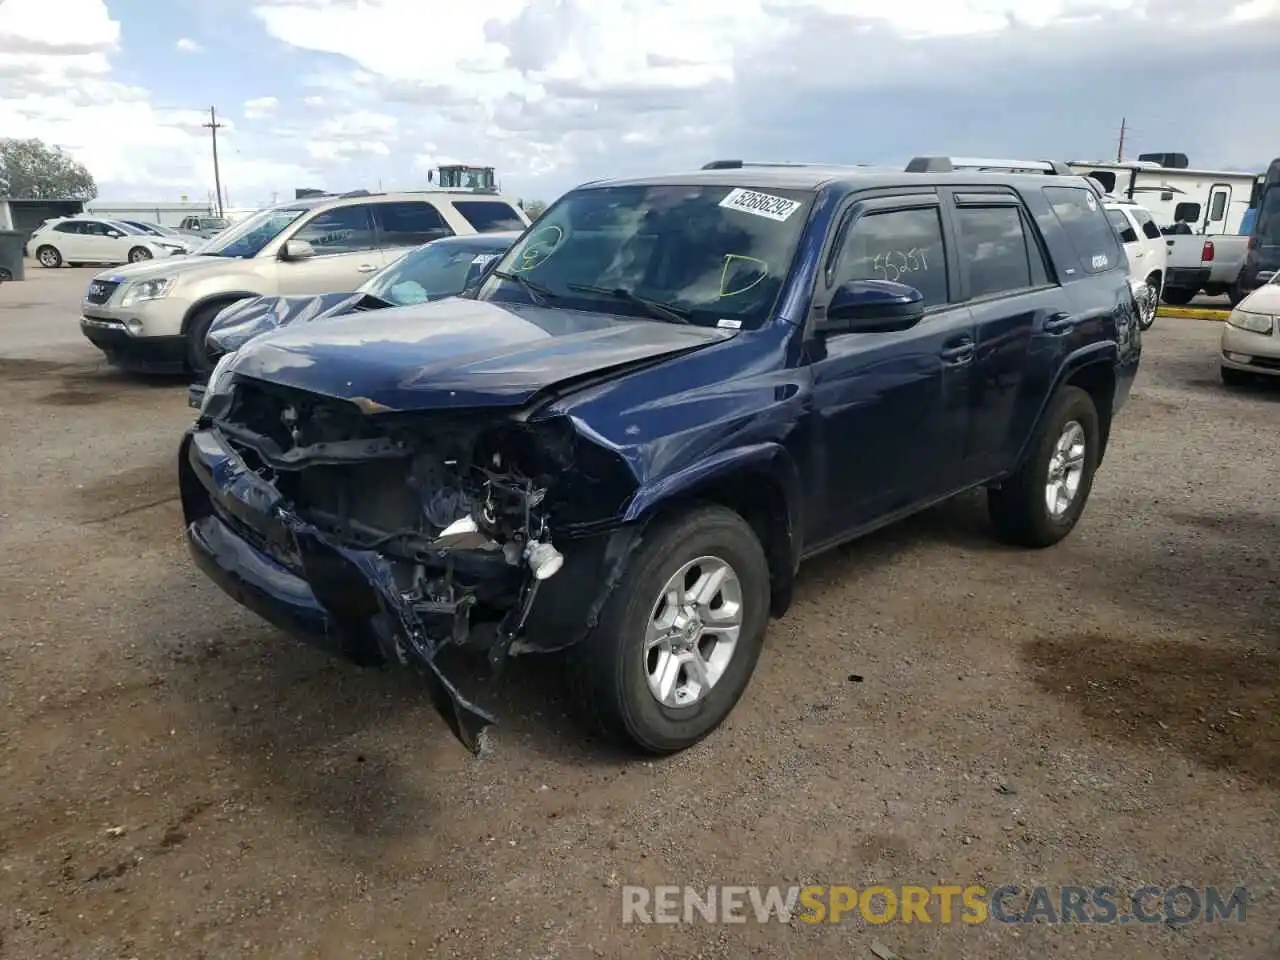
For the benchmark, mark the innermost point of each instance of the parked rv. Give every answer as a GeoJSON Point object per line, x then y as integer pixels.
{"type": "Point", "coordinates": [1199, 211]}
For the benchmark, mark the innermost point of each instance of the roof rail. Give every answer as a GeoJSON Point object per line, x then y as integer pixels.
{"type": "Point", "coordinates": [353, 193]}
{"type": "Point", "coordinates": [982, 164]}
{"type": "Point", "coordinates": [739, 164]}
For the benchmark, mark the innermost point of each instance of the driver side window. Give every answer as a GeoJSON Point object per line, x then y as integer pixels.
{"type": "Point", "coordinates": [341, 230]}
{"type": "Point", "coordinates": [904, 246]}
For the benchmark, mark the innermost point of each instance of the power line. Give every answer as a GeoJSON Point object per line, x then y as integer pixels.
{"type": "Point", "coordinates": [213, 126]}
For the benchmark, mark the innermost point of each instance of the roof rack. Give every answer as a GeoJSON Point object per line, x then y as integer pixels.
{"type": "Point", "coordinates": [982, 164]}
{"type": "Point", "coordinates": [739, 164]}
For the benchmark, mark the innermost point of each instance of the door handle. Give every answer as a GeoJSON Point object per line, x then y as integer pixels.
{"type": "Point", "coordinates": [366, 268]}
{"type": "Point", "coordinates": [961, 352]}
{"type": "Point", "coordinates": [1058, 323]}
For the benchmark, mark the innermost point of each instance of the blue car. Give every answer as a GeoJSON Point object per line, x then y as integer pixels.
{"type": "Point", "coordinates": [667, 394]}
{"type": "Point", "coordinates": [438, 269]}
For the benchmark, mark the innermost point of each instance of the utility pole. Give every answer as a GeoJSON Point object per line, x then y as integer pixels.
{"type": "Point", "coordinates": [213, 126]}
{"type": "Point", "coordinates": [1120, 145]}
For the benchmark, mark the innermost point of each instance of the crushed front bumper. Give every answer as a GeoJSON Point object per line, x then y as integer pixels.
{"type": "Point", "coordinates": [341, 600]}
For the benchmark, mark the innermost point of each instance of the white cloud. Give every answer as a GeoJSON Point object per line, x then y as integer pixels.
{"type": "Point", "coordinates": [552, 92]}
{"type": "Point", "coordinates": [187, 45]}
{"type": "Point", "coordinates": [567, 89]}
{"type": "Point", "coordinates": [260, 107]}
{"type": "Point", "coordinates": [56, 83]}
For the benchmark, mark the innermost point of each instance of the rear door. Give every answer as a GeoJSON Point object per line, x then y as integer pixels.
{"type": "Point", "coordinates": [404, 224]}
{"type": "Point", "coordinates": [345, 253]}
{"type": "Point", "coordinates": [1011, 292]}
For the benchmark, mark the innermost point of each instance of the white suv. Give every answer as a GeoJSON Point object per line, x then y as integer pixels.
{"type": "Point", "coordinates": [1145, 247]}
{"type": "Point", "coordinates": [154, 316]}
{"type": "Point", "coordinates": [77, 240]}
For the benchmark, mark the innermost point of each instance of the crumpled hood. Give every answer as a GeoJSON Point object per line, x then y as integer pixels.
{"type": "Point", "coordinates": [167, 267]}
{"type": "Point", "coordinates": [243, 320]}
{"type": "Point", "coordinates": [459, 352]}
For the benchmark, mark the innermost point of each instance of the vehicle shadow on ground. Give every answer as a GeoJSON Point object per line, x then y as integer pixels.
{"type": "Point", "coordinates": [313, 728]}
{"type": "Point", "coordinates": [1218, 706]}
{"type": "Point", "coordinates": [1199, 374]}
{"type": "Point", "coordinates": [85, 384]}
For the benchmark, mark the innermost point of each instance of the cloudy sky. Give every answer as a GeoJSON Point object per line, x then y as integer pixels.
{"type": "Point", "coordinates": [343, 94]}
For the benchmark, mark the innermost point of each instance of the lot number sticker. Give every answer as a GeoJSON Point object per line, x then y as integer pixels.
{"type": "Point", "coordinates": [759, 204]}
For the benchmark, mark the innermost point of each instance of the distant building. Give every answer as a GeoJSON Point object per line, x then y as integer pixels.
{"type": "Point", "coordinates": [24, 216]}
{"type": "Point", "coordinates": [166, 213]}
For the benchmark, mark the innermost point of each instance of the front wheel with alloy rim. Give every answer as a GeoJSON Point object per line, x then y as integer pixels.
{"type": "Point", "coordinates": [680, 635]}
{"type": "Point", "coordinates": [138, 254]}
{"type": "Point", "coordinates": [1042, 502]}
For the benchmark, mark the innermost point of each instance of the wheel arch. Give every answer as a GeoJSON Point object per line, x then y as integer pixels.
{"type": "Point", "coordinates": [221, 300]}
{"type": "Point", "coordinates": [1093, 370]}
{"type": "Point", "coordinates": [761, 484]}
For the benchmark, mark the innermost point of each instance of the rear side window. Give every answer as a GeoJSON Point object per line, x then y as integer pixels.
{"type": "Point", "coordinates": [489, 216]}
{"type": "Point", "coordinates": [996, 251]}
{"type": "Point", "coordinates": [904, 246]}
{"type": "Point", "coordinates": [1123, 226]}
{"type": "Point", "coordinates": [409, 224]}
{"type": "Point", "coordinates": [1149, 228]}
{"type": "Point", "coordinates": [68, 227]}
{"type": "Point", "coordinates": [1081, 217]}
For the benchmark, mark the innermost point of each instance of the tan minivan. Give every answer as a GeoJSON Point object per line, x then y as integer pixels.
{"type": "Point", "coordinates": [153, 316]}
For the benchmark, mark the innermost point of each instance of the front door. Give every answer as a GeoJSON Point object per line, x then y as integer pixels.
{"type": "Point", "coordinates": [99, 243]}
{"type": "Point", "coordinates": [344, 253]}
{"type": "Point", "coordinates": [891, 408]}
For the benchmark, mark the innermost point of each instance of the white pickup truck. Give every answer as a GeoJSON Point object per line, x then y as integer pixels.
{"type": "Point", "coordinates": [1208, 264]}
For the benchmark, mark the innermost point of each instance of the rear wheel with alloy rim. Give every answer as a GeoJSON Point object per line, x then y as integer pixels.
{"type": "Point", "coordinates": [679, 637]}
{"type": "Point", "coordinates": [49, 257]}
{"type": "Point", "coordinates": [1043, 500]}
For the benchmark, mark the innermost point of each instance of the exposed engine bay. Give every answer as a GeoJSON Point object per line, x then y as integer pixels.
{"type": "Point", "coordinates": [435, 528]}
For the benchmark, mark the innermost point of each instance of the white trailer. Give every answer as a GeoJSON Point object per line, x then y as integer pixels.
{"type": "Point", "coordinates": [1210, 202]}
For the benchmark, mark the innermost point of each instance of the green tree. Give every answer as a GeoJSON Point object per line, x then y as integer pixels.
{"type": "Point", "coordinates": [533, 208]}
{"type": "Point", "coordinates": [32, 169]}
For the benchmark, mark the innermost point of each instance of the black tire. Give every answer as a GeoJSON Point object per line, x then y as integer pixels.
{"type": "Point", "coordinates": [48, 256]}
{"type": "Point", "coordinates": [611, 681]}
{"type": "Point", "coordinates": [138, 254]}
{"type": "Point", "coordinates": [1178, 296]}
{"type": "Point", "coordinates": [1232, 377]}
{"type": "Point", "coordinates": [5, 275]}
{"type": "Point", "coordinates": [1018, 509]}
{"type": "Point", "coordinates": [198, 360]}
{"type": "Point", "coordinates": [1235, 293]}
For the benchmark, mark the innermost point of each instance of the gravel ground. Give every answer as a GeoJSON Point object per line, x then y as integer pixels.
{"type": "Point", "coordinates": [179, 780]}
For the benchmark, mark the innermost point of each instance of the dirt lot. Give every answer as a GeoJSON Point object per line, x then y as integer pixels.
{"type": "Point", "coordinates": [179, 780]}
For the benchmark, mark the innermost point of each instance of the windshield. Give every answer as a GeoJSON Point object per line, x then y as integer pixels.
{"type": "Point", "coordinates": [442, 268]}
{"type": "Point", "coordinates": [716, 254]}
{"type": "Point", "coordinates": [128, 228]}
{"type": "Point", "coordinates": [247, 238]}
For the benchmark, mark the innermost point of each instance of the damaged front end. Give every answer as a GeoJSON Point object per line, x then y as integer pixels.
{"type": "Point", "coordinates": [382, 536]}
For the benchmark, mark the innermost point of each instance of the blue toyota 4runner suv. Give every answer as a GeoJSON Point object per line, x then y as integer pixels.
{"type": "Point", "coordinates": [667, 394]}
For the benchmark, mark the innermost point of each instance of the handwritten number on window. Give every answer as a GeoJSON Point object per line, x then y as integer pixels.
{"type": "Point", "coordinates": [895, 264]}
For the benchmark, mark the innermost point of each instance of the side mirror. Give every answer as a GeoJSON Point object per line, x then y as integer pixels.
{"type": "Point", "coordinates": [872, 306]}
{"type": "Point", "coordinates": [114, 234]}
{"type": "Point", "coordinates": [297, 250]}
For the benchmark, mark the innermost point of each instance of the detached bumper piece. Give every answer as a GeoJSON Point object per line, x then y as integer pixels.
{"type": "Point", "coordinates": [347, 601]}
